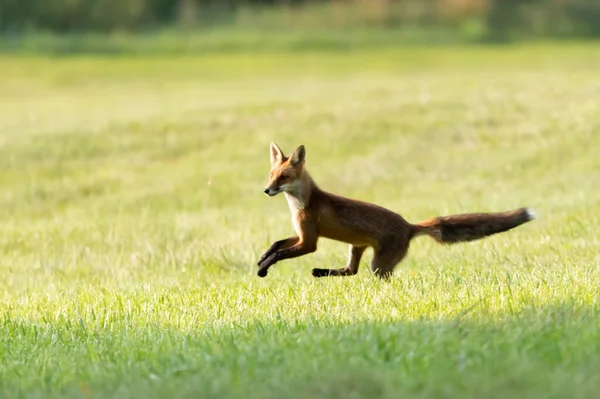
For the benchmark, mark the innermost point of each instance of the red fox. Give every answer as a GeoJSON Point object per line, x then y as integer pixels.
{"type": "Point", "coordinates": [316, 213]}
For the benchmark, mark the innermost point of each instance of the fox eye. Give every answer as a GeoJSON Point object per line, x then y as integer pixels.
{"type": "Point", "coordinates": [283, 178]}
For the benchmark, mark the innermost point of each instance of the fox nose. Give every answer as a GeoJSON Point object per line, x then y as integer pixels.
{"type": "Point", "coordinates": [266, 191]}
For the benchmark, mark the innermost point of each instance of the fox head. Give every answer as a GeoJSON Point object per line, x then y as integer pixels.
{"type": "Point", "coordinates": [284, 176]}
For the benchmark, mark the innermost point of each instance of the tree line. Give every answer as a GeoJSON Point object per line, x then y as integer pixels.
{"type": "Point", "coordinates": [501, 18]}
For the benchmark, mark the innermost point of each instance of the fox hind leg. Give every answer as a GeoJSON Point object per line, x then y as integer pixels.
{"type": "Point", "coordinates": [386, 259]}
{"type": "Point", "coordinates": [354, 256]}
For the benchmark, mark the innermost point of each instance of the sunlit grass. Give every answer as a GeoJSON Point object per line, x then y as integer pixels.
{"type": "Point", "coordinates": [132, 216]}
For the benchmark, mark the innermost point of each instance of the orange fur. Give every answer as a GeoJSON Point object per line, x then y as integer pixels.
{"type": "Point", "coordinates": [316, 213]}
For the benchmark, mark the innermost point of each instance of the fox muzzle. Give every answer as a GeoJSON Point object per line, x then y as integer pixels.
{"type": "Point", "coordinates": [270, 192]}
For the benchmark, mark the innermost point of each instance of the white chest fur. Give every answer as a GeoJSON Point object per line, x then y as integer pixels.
{"type": "Point", "coordinates": [295, 203]}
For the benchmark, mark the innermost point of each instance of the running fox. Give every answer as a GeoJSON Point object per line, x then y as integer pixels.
{"type": "Point", "coordinates": [316, 213]}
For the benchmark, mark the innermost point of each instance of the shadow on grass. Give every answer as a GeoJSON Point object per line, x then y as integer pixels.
{"type": "Point", "coordinates": [550, 352]}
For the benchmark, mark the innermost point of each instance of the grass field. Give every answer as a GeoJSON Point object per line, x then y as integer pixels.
{"type": "Point", "coordinates": [132, 216]}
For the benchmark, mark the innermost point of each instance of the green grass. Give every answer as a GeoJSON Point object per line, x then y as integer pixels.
{"type": "Point", "coordinates": [132, 216]}
{"type": "Point", "coordinates": [225, 40]}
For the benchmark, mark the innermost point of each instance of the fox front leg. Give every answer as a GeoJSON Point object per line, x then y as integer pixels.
{"type": "Point", "coordinates": [300, 249]}
{"type": "Point", "coordinates": [277, 245]}
{"type": "Point", "coordinates": [305, 243]}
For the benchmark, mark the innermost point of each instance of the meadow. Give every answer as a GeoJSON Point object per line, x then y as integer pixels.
{"type": "Point", "coordinates": [132, 215]}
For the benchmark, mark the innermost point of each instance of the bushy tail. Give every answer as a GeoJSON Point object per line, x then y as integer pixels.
{"type": "Point", "coordinates": [472, 226]}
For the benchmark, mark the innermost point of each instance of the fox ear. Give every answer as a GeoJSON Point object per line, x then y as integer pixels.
{"type": "Point", "coordinates": [276, 154]}
{"type": "Point", "coordinates": [298, 155]}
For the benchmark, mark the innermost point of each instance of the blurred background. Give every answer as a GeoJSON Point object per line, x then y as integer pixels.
{"type": "Point", "coordinates": [193, 25]}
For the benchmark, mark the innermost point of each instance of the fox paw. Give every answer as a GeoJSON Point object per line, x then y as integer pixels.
{"type": "Point", "coordinates": [320, 272]}
{"type": "Point", "coordinates": [262, 272]}
{"type": "Point", "coordinates": [262, 259]}
{"type": "Point", "coordinates": [270, 261]}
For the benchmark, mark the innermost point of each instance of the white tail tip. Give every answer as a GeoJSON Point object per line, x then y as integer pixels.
{"type": "Point", "coordinates": [531, 213]}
